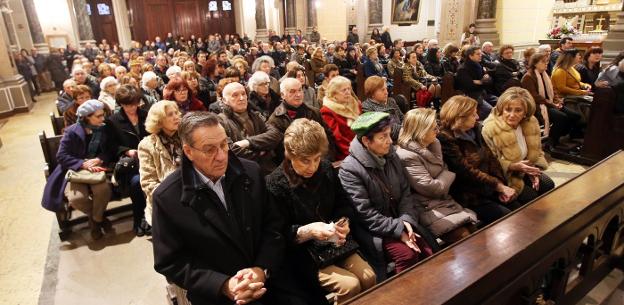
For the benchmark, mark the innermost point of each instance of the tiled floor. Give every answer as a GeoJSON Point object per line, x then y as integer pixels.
{"type": "Point", "coordinates": [36, 268]}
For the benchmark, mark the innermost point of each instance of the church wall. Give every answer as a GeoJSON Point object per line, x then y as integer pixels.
{"type": "Point", "coordinates": [55, 19]}
{"type": "Point", "coordinates": [332, 19]}
{"type": "Point", "coordinates": [523, 22]}
{"type": "Point", "coordinates": [413, 32]}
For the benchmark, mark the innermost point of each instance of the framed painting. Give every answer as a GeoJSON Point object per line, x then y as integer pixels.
{"type": "Point", "coordinates": [405, 12]}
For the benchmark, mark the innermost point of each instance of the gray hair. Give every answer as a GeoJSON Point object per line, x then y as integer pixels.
{"type": "Point", "coordinates": [543, 48]}
{"type": "Point", "coordinates": [487, 43]}
{"type": "Point", "coordinates": [69, 82]}
{"type": "Point", "coordinates": [194, 120]}
{"type": "Point", "coordinates": [227, 90]}
{"type": "Point", "coordinates": [288, 83]}
{"type": "Point", "coordinates": [257, 78]}
{"type": "Point", "coordinates": [262, 59]}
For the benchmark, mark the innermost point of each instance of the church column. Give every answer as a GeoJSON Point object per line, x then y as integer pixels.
{"type": "Point", "coordinates": [83, 22]}
{"type": "Point", "coordinates": [375, 17]}
{"type": "Point", "coordinates": [290, 24]}
{"type": "Point", "coordinates": [486, 22]}
{"type": "Point", "coordinates": [311, 17]}
{"type": "Point", "coordinates": [14, 92]}
{"type": "Point", "coordinates": [261, 23]}
{"type": "Point", "coordinates": [35, 27]}
{"type": "Point", "coordinates": [122, 23]}
{"type": "Point", "coordinates": [20, 25]}
{"type": "Point", "coordinates": [614, 42]}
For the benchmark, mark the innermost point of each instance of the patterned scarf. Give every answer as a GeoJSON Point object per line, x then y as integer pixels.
{"type": "Point", "coordinates": [173, 144]}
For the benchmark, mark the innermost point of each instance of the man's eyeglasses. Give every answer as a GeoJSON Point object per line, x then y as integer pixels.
{"type": "Point", "coordinates": [212, 150]}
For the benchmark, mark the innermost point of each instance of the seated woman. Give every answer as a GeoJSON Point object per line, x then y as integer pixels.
{"type": "Point", "coordinates": [80, 94]}
{"type": "Point", "coordinates": [127, 130]}
{"type": "Point", "coordinates": [421, 154]}
{"type": "Point", "coordinates": [307, 192]}
{"type": "Point", "coordinates": [266, 64]}
{"type": "Point", "coordinates": [564, 120]}
{"type": "Point", "coordinates": [179, 91]}
{"type": "Point", "coordinates": [309, 95]}
{"type": "Point", "coordinates": [375, 180]}
{"type": "Point", "coordinates": [340, 109]}
{"type": "Point", "coordinates": [432, 63]}
{"type": "Point", "coordinates": [566, 79]}
{"type": "Point", "coordinates": [243, 68]}
{"type": "Point", "coordinates": [377, 100]}
{"type": "Point", "coordinates": [331, 71]}
{"type": "Point", "coordinates": [108, 86]}
{"type": "Point", "coordinates": [160, 153]}
{"type": "Point", "coordinates": [449, 61]}
{"type": "Point", "coordinates": [414, 74]}
{"type": "Point", "coordinates": [372, 66]}
{"type": "Point", "coordinates": [198, 92]}
{"type": "Point", "coordinates": [507, 72]}
{"type": "Point", "coordinates": [317, 63]}
{"type": "Point", "coordinates": [613, 73]}
{"type": "Point", "coordinates": [262, 98]}
{"type": "Point", "coordinates": [149, 89]}
{"type": "Point", "coordinates": [245, 127]}
{"type": "Point", "coordinates": [589, 68]}
{"type": "Point", "coordinates": [480, 182]}
{"type": "Point", "coordinates": [82, 148]}
{"type": "Point", "coordinates": [395, 63]}
{"type": "Point", "coordinates": [513, 135]}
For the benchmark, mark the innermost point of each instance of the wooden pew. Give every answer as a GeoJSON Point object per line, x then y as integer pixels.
{"type": "Point", "coordinates": [578, 223]}
{"type": "Point", "coordinates": [605, 129]}
{"type": "Point", "coordinates": [359, 82]}
{"type": "Point", "coordinates": [448, 88]}
{"type": "Point", "coordinates": [399, 87]}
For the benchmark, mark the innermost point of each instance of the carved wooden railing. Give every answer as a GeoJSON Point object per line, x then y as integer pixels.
{"type": "Point", "coordinates": [559, 247]}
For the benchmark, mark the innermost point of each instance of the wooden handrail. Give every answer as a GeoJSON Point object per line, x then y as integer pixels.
{"type": "Point", "coordinates": [505, 262]}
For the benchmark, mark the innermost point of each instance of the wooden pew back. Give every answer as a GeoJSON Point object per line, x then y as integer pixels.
{"type": "Point", "coordinates": [580, 222]}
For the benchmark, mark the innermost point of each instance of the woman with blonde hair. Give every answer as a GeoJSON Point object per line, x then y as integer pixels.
{"type": "Point", "coordinates": [565, 78]}
{"type": "Point", "coordinates": [340, 109]}
{"type": "Point", "coordinates": [480, 182]}
{"type": "Point", "coordinates": [307, 192]}
{"type": "Point", "coordinates": [513, 135]}
{"type": "Point", "coordinates": [160, 153]}
{"type": "Point", "coordinates": [421, 155]}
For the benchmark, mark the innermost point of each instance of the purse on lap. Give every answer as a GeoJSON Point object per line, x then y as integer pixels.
{"type": "Point", "coordinates": [85, 176]}
{"type": "Point", "coordinates": [326, 253]}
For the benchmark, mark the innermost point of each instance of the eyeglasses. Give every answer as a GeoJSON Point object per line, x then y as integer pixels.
{"type": "Point", "coordinates": [183, 90]}
{"type": "Point", "coordinates": [263, 84]}
{"type": "Point", "coordinates": [212, 150]}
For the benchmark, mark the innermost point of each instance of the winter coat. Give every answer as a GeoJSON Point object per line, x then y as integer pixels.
{"type": "Point", "coordinates": [264, 108]}
{"type": "Point", "coordinates": [502, 141]}
{"type": "Point", "coordinates": [468, 72]}
{"type": "Point", "coordinates": [156, 164]}
{"type": "Point", "coordinates": [71, 154]}
{"type": "Point", "coordinates": [319, 198]}
{"type": "Point", "coordinates": [395, 65]}
{"type": "Point", "coordinates": [567, 82]}
{"type": "Point", "coordinates": [431, 181]}
{"type": "Point", "coordinates": [123, 135]}
{"type": "Point", "coordinates": [412, 75]}
{"type": "Point", "coordinates": [57, 69]}
{"type": "Point", "coordinates": [107, 99]}
{"type": "Point", "coordinates": [343, 135]}
{"type": "Point", "coordinates": [375, 212]}
{"type": "Point", "coordinates": [450, 65]}
{"type": "Point", "coordinates": [434, 68]}
{"type": "Point", "coordinates": [374, 68]}
{"type": "Point", "coordinates": [505, 71]}
{"type": "Point", "coordinates": [235, 130]}
{"type": "Point", "coordinates": [386, 39]}
{"type": "Point", "coordinates": [477, 170]}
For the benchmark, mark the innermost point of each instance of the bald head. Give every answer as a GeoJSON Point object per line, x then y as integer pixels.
{"type": "Point", "coordinates": [235, 96]}
{"type": "Point", "coordinates": [231, 87]}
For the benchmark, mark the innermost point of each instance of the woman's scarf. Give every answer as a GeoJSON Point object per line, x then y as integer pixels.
{"type": "Point", "coordinates": [541, 79]}
{"type": "Point", "coordinates": [173, 144]}
{"type": "Point", "coordinates": [350, 111]}
{"type": "Point", "coordinates": [96, 138]}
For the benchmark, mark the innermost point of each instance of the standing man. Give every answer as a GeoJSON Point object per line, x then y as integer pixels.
{"type": "Point", "coordinates": [353, 36]}
{"type": "Point", "coordinates": [315, 36]}
{"type": "Point", "coordinates": [214, 232]}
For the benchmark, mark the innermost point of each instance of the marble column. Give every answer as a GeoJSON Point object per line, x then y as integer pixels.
{"type": "Point", "coordinates": [121, 22]}
{"type": "Point", "coordinates": [311, 17]}
{"type": "Point", "coordinates": [261, 23]}
{"type": "Point", "coordinates": [375, 19]}
{"type": "Point", "coordinates": [21, 27]}
{"type": "Point", "coordinates": [290, 24]}
{"type": "Point", "coordinates": [14, 93]}
{"type": "Point", "coordinates": [35, 27]}
{"type": "Point", "coordinates": [614, 43]}
{"type": "Point", "coordinates": [10, 30]}
{"type": "Point", "coordinates": [486, 22]}
{"type": "Point", "coordinates": [83, 22]}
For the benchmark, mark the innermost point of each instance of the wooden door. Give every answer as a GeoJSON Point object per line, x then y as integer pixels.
{"type": "Point", "coordinates": [157, 19]}
{"type": "Point", "coordinates": [187, 19]}
{"type": "Point", "coordinates": [219, 20]}
{"type": "Point", "coordinates": [102, 20]}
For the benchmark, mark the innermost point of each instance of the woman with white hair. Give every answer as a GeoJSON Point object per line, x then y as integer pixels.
{"type": "Point", "coordinates": [173, 71]}
{"type": "Point", "coordinates": [149, 89]}
{"type": "Point", "coordinates": [261, 97]}
{"type": "Point", "coordinates": [120, 71]}
{"type": "Point", "coordinates": [266, 64]}
{"type": "Point", "coordinates": [107, 95]}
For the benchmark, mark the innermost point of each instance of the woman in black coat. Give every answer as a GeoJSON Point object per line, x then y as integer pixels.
{"type": "Point", "coordinates": [128, 129]}
{"type": "Point", "coordinates": [57, 69]}
{"type": "Point", "coordinates": [308, 193]}
{"type": "Point", "coordinates": [507, 71]}
{"type": "Point", "coordinates": [432, 63]}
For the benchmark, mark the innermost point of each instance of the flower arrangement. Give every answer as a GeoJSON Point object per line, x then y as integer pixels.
{"type": "Point", "coordinates": [565, 30]}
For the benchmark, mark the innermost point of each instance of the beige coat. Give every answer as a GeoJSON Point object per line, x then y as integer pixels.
{"type": "Point", "coordinates": [430, 181]}
{"type": "Point", "coordinates": [501, 139]}
{"type": "Point", "coordinates": [155, 165]}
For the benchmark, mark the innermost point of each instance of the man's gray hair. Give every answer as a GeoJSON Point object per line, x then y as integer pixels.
{"type": "Point", "coordinates": [194, 120]}
{"type": "Point", "coordinates": [288, 83]}
{"type": "Point", "coordinates": [487, 43]}
{"type": "Point", "coordinates": [543, 48]}
{"type": "Point", "coordinates": [257, 78]}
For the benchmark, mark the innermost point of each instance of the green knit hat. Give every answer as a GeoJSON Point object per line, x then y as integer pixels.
{"type": "Point", "coordinates": [367, 121]}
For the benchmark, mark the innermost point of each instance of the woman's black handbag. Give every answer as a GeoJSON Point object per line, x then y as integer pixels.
{"type": "Point", "coordinates": [326, 253]}
{"type": "Point", "coordinates": [125, 169]}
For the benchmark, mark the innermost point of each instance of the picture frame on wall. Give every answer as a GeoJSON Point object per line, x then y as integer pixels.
{"type": "Point", "coordinates": [405, 12]}
{"type": "Point", "coordinates": [57, 41]}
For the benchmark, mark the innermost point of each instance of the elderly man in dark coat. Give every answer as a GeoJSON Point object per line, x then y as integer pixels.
{"type": "Point", "coordinates": [214, 232]}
